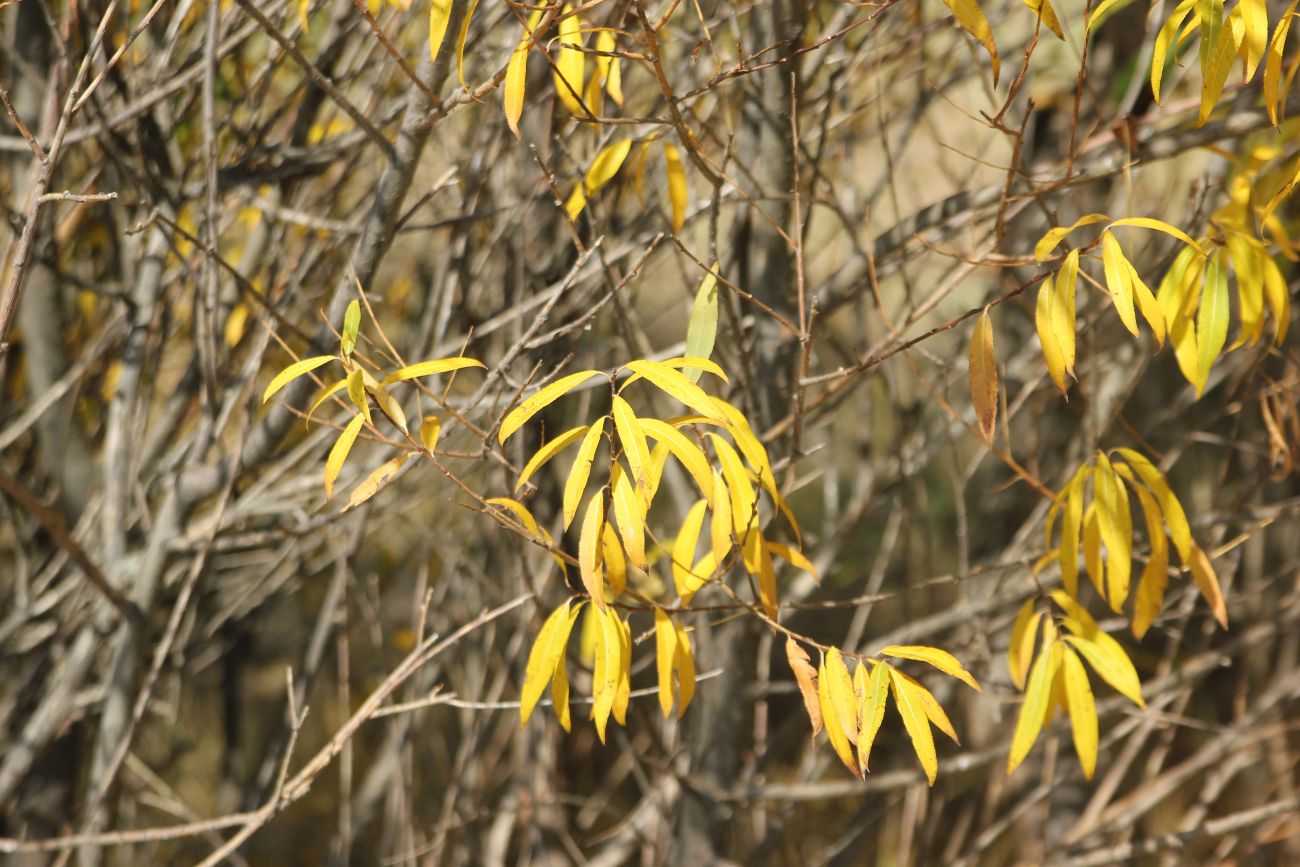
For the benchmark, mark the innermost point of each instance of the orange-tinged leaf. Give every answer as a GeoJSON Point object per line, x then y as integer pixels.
{"type": "Point", "coordinates": [984, 377]}
{"type": "Point", "coordinates": [806, 677]}
{"type": "Point", "coordinates": [831, 720]}
{"type": "Point", "coordinates": [874, 698]}
{"type": "Point", "coordinates": [1082, 708]}
{"type": "Point", "coordinates": [379, 477]}
{"type": "Point", "coordinates": [292, 372]}
{"type": "Point", "coordinates": [940, 659]}
{"type": "Point", "coordinates": [1208, 583]}
{"type": "Point", "coordinates": [545, 656]}
{"type": "Point", "coordinates": [548, 451]}
{"type": "Point", "coordinates": [339, 452]}
{"type": "Point", "coordinates": [576, 484]}
{"type": "Point", "coordinates": [589, 549]}
{"type": "Point", "coordinates": [912, 709]}
{"type": "Point", "coordinates": [544, 397]}
{"type": "Point", "coordinates": [1034, 709]}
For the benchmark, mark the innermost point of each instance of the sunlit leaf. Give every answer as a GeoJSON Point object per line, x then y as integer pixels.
{"type": "Point", "coordinates": [971, 19]}
{"type": "Point", "coordinates": [1082, 708]}
{"type": "Point", "coordinates": [687, 453]}
{"type": "Point", "coordinates": [677, 195]}
{"type": "Point", "coordinates": [546, 655]}
{"type": "Point", "coordinates": [831, 720]}
{"type": "Point", "coordinates": [589, 549]}
{"type": "Point", "coordinates": [940, 659]}
{"type": "Point", "coordinates": [1211, 320]}
{"type": "Point", "coordinates": [702, 329]}
{"type": "Point", "coordinates": [676, 385]}
{"type": "Point", "coordinates": [1052, 237]}
{"type": "Point", "coordinates": [351, 325]}
{"type": "Point", "coordinates": [292, 372]}
{"type": "Point", "coordinates": [683, 553]}
{"type": "Point", "coordinates": [1034, 709]}
{"type": "Point", "coordinates": [1208, 583]}
{"type": "Point", "coordinates": [570, 61]}
{"type": "Point", "coordinates": [916, 721]}
{"type": "Point", "coordinates": [339, 452]}
{"type": "Point", "coordinates": [602, 171]}
{"type": "Point", "coordinates": [874, 698]}
{"type": "Point", "coordinates": [1020, 652]}
{"type": "Point", "coordinates": [806, 677]}
{"type": "Point", "coordinates": [544, 397]}
{"type": "Point", "coordinates": [379, 477]}
{"type": "Point", "coordinates": [429, 368]}
{"type": "Point", "coordinates": [552, 448]}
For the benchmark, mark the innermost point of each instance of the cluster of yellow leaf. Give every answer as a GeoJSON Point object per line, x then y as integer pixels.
{"type": "Point", "coordinates": [971, 19]}
{"type": "Point", "coordinates": [1190, 308]}
{"type": "Point", "coordinates": [1057, 679]}
{"type": "Point", "coordinates": [613, 529]}
{"type": "Point", "coordinates": [362, 387]}
{"type": "Point", "coordinates": [1224, 38]}
{"type": "Point", "coordinates": [1105, 521]}
{"type": "Point", "coordinates": [581, 95]}
{"type": "Point", "coordinates": [607, 164]}
{"type": "Point", "coordinates": [851, 708]}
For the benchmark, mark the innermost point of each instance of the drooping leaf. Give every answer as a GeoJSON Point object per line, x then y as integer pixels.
{"type": "Point", "coordinates": [677, 196]}
{"type": "Point", "coordinates": [292, 372]}
{"type": "Point", "coordinates": [602, 171]}
{"type": "Point", "coordinates": [576, 484]}
{"type": "Point", "coordinates": [1208, 583]}
{"type": "Point", "coordinates": [339, 452]}
{"type": "Point", "coordinates": [546, 655]}
{"type": "Point", "coordinates": [831, 720]}
{"type": "Point", "coordinates": [940, 659]}
{"type": "Point", "coordinates": [632, 439]}
{"type": "Point", "coordinates": [676, 385]}
{"type": "Point", "coordinates": [984, 377]}
{"type": "Point", "coordinates": [683, 553]}
{"type": "Point", "coordinates": [1082, 708]}
{"type": "Point", "coordinates": [874, 698]}
{"type": "Point", "coordinates": [544, 397]}
{"type": "Point", "coordinates": [548, 451]}
{"type": "Point", "coordinates": [916, 721]}
{"type": "Point", "coordinates": [839, 686]}
{"type": "Point", "coordinates": [570, 61]}
{"type": "Point", "coordinates": [1211, 320]}
{"type": "Point", "coordinates": [429, 368]}
{"type": "Point", "coordinates": [971, 19]}
{"type": "Point", "coordinates": [517, 74]}
{"type": "Point", "coordinates": [439, 16]}
{"type": "Point", "coordinates": [589, 549]}
{"type": "Point", "coordinates": [794, 557]}
{"type": "Point", "coordinates": [702, 329]}
{"type": "Point", "coordinates": [665, 647]}
{"type": "Point", "coordinates": [1117, 281]}
{"type": "Point", "coordinates": [684, 666]}
{"type": "Point", "coordinates": [1020, 652]}
{"type": "Point", "coordinates": [630, 515]}
{"type": "Point", "coordinates": [1034, 709]}
{"type": "Point", "coordinates": [806, 678]}
{"type": "Point", "coordinates": [687, 453]}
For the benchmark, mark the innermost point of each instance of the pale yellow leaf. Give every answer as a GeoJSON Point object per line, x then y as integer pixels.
{"type": "Point", "coordinates": [576, 483]}
{"type": "Point", "coordinates": [429, 368]}
{"type": "Point", "coordinates": [379, 477]}
{"type": "Point", "coordinates": [874, 698]}
{"type": "Point", "coordinates": [589, 549]}
{"type": "Point", "coordinates": [351, 325]}
{"type": "Point", "coordinates": [1034, 708]}
{"type": "Point", "coordinates": [940, 659]}
{"type": "Point", "coordinates": [543, 398]}
{"type": "Point", "coordinates": [339, 452]}
{"type": "Point", "coordinates": [292, 372]}
{"type": "Point", "coordinates": [548, 451]}
{"type": "Point", "coordinates": [702, 328]}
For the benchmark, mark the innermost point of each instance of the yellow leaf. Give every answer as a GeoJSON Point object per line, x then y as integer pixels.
{"type": "Point", "coordinates": [302, 13]}
{"type": "Point", "coordinates": [1273, 66]}
{"type": "Point", "coordinates": [429, 368]}
{"type": "Point", "coordinates": [831, 719]}
{"type": "Point", "coordinates": [623, 691]}
{"type": "Point", "coordinates": [339, 453]}
{"type": "Point", "coordinates": [602, 171]}
{"type": "Point", "coordinates": [1047, 336]}
{"type": "Point", "coordinates": [1175, 518]}
{"type": "Point", "coordinates": [1043, 9]}
{"type": "Point", "coordinates": [517, 74]}
{"type": "Point", "coordinates": [874, 698]}
{"type": "Point", "coordinates": [1092, 561]}
{"type": "Point", "coordinates": [292, 372]}
{"type": "Point", "coordinates": [676, 385]}
{"type": "Point", "coordinates": [1146, 303]}
{"type": "Point", "coordinates": [1211, 320]}
{"type": "Point", "coordinates": [665, 646]}
{"type": "Point", "coordinates": [608, 669]}
{"type": "Point", "coordinates": [376, 480]}
{"type": "Point", "coordinates": [629, 514]}
{"type": "Point", "coordinates": [806, 677]}
{"type": "Point", "coordinates": [1278, 298]}
{"type": "Point", "coordinates": [839, 685]}
{"type": "Point", "coordinates": [984, 377]}
{"type": "Point", "coordinates": [1155, 577]}
{"type": "Point", "coordinates": [1063, 305]}
{"type": "Point", "coordinates": [933, 710]}
{"type": "Point", "coordinates": [794, 557]}
{"type": "Point", "coordinates": [570, 61]}
{"type": "Point", "coordinates": [702, 329]}
{"type": "Point", "coordinates": [1034, 709]}
{"type": "Point", "coordinates": [1048, 242]}
{"type": "Point", "coordinates": [1068, 556]}
{"type": "Point", "coordinates": [632, 440]}
{"type": "Point", "coordinates": [687, 453]}
{"type": "Point", "coordinates": [546, 655]}
{"type": "Point", "coordinates": [1254, 15]}
{"type": "Point", "coordinates": [1208, 583]}
{"type": "Point", "coordinates": [1117, 280]}
{"type": "Point", "coordinates": [916, 721]}
{"type": "Point", "coordinates": [548, 451]}
{"type": "Point", "coordinates": [1164, 39]}
{"type": "Point", "coordinates": [684, 666]}
{"type": "Point", "coordinates": [1116, 525]}
{"type": "Point", "coordinates": [460, 43]}
{"type": "Point", "coordinates": [560, 691]}
{"type": "Point", "coordinates": [969, 16]}
{"type": "Point", "coordinates": [357, 392]}
{"type": "Point", "coordinates": [351, 325]}
{"type": "Point", "coordinates": [1083, 710]}
{"type": "Point", "coordinates": [683, 553]}
{"type": "Point", "coordinates": [677, 195]}
{"type": "Point", "coordinates": [940, 659]}
{"type": "Point", "coordinates": [720, 528]}
{"type": "Point", "coordinates": [589, 559]}
{"type": "Point", "coordinates": [325, 394]}
{"type": "Point", "coordinates": [1111, 663]}
{"type": "Point", "coordinates": [1021, 650]}
{"type": "Point", "coordinates": [576, 484]}
{"type": "Point", "coordinates": [544, 397]}
{"type": "Point", "coordinates": [615, 565]}
{"type": "Point", "coordinates": [439, 15]}
{"type": "Point", "coordinates": [744, 501]}
{"type": "Point", "coordinates": [1159, 226]}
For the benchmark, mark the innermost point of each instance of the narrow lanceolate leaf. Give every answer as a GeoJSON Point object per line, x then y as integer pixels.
{"type": "Point", "coordinates": [984, 377]}
{"type": "Point", "coordinates": [831, 719]}
{"type": "Point", "coordinates": [702, 329]}
{"type": "Point", "coordinates": [326, 393]}
{"type": "Point", "coordinates": [1159, 226]}
{"type": "Point", "coordinates": [806, 677]}
{"type": "Point", "coordinates": [1048, 242]}
{"type": "Point", "coordinates": [1147, 304]}
{"type": "Point", "coordinates": [1069, 551]}
{"type": "Point", "coordinates": [632, 439]}
{"type": "Point", "coordinates": [517, 74]}
{"type": "Point", "coordinates": [1175, 519]}
{"type": "Point", "coordinates": [1254, 15]}
{"type": "Point", "coordinates": [1279, 301]}
{"type": "Point", "coordinates": [1117, 281]}
{"type": "Point", "coordinates": [744, 499]}
{"type": "Point", "coordinates": [548, 451]}
{"type": "Point", "coordinates": [1111, 663]}
{"type": "Point", "coordinates": [546, 655]}
{"type": "Point", "coordinates": [1211, 319]}
{"type": "Point", "coordinates": [429, 368]}
{"type": "Point", "coordinates": [1063, 314]}
{"type": "Point", "coordinates": [839, 685]}
{"type": "Point", "coordinates": [602, 171]}
{"type": "Point", "coordinates": [461, 38]}
{"type": "Point", "coordinates": [1116, 525]}
{"type": "Point", "coordinates": [720, 527]}
{"type": "Point", "coordinates": [1034, 709]}
{"type": "Point", "coordinates": [439, 15]}
{"type": "Point", "coordinates": [339, 452]}
{"type": "Point", "coordinates": [292, 372]}
{"type": "Point", "coordinates": [351, 325]}
{"type": "Point", "coordinates": [1024, 632]}
{"type": "Point", "coordinates": [665, 647]}
{"type": "Point", "coordinates": [1048, 15]}
{"type": "Point", "coordinates": [576, 484]}
{"type": "Point", "coordinates": [379, 477]}
{"type": "Point", "coordinates": [544, 397]}
{"type": "Point", "coordinates": [940, 659]}
{"type": "Point", "coordinates": [1083, 710]}
{"type": "Point", "coordinates": [589, 550]}
{"type": "Point", "coordinates": [1164, 40]}
{"type": "Point", "coordinates": [570, 61]}
{"type": "Point", "coordinates": [1208, 583]}
{"type": "Point", "coordinates": [675, 384]}
{"type": "Point", "coordinates": [1155, 576]}
{"type": "Point", "coordinates": [623, 691]}
{"type": "Point", "coordinates": [687, 452]}
{"type": "Point", "coordinates": [874, 698]}
{"type": "Point", "coordinates": [1047, 336]}
{"type": "Point", "coordinates": [677, 193]}
{"type": "Point", "coordinates": [684, 667]}
{"type": "Point", "coordinates": [613, 562]}
{"type": "Point", "coordinates": [969, 16]}
{"type": "Point", "coordinates": [916, 721]}
{"type": "Point", "coordinates": [794, 557]}
{"type": "Point", "coordinates": [357, 392]}
{"type": "Point", "coordinates": [1215, 68]}
{"type": "Point", "coordinates": [683, 552]}
{"type": "Point", "coordinates": [629, 514]}
{"type": "Point", "coordinates": [1273, 66]}
{"type": "Point", "coordinates": [933, 710]}
{"type": "Point", "coordinates": [608, 668]}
